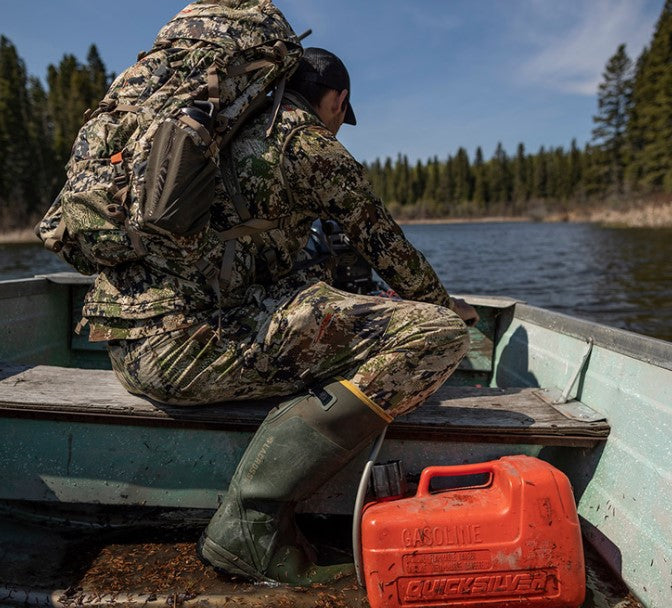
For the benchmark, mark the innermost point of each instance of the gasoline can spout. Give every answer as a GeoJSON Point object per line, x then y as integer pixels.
{"type": "Point", "coordinates": [388, 480]}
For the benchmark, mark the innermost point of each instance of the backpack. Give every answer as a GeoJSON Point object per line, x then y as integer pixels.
{"type": "Point", "coordinates": [144, 164]}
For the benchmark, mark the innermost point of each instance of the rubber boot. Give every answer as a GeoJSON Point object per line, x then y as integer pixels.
{"type": "Point", "coordinates": [300, 445]}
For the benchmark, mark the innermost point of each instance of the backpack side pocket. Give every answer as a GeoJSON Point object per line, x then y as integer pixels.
{"type": "Point", "coordinates": [180, 179]}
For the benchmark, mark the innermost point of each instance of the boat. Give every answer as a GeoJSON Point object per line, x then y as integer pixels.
{"type": "Point", "coordinates": [104, 494]}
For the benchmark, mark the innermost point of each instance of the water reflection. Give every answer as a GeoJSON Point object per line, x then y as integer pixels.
{"type": "Point", "coordinates": [20, 261]}
{"type": "Point", "coordinates": [636, 281]}
{"type": "Point", "coordinates": [620, 277]}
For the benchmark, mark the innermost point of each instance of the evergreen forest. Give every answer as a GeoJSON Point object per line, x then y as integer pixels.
{"type": "Point", "coordinates": [628, 157]}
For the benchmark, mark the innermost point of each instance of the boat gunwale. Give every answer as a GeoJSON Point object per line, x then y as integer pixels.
{"type": "Point", "coordinates": [21, 288]}
{"type": "Point", "coordinates": [622, 341]}
{"type": "Point", "coordinates": [647, 349]}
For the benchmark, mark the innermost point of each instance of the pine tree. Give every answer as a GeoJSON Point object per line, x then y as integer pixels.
{"type": "Point", "coordinates": [73, 88]}
{"type": "Point", "coordinates": [521, 188]}
{"type": "Point", "coordinates": [418, 182]}
{"type": "Point", "coordinates": [18, 184]}
{"type": "Point", "coordinates": [463, 180]}
{"type": "Point", "coordinates": [388, 181]}
{"type": "Point", "coordinates": [500, 176]}
{"type": "Point", "coordinates": [98, 79]}
{"type": "Point", "coordinates": [592, 178]}
{"type": "Point", "coordinates": [431, 192]}
{"type": "Point", "coordinates": [446, 190]}
{"type": "Point", "coordinates": [539, 175]}
{"type": "Point", "coordinates": [63, 108]}
{"type": "Point", "coordinates": [613, 101]}
{"type": "Point", "coordinates": [44, 170]}
{"type": "Point", "coordinates": [650, 119]}
{"type": "Point", "coordinates": [402, 180]}
{"type": "Point", "coordinates": [574, 170]}
{"type": "Point", "coordinates": [481, 194]}
{"type": "Point", "coordinates": [558, 174]}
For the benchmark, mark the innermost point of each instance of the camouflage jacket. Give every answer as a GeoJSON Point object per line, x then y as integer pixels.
{"type": "Point", "coordinates": [300, 173]}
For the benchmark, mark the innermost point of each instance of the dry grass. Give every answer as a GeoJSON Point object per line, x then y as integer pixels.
{"type": "Point", "coordinates": [26, 235]}
{"type": "Point", "coordinates": [465, 220]}
{"type": "Point", "coordinates": [653, 215]}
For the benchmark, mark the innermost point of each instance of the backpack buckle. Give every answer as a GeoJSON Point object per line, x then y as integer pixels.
{"type": "Point", "coordinates": [116, 212]}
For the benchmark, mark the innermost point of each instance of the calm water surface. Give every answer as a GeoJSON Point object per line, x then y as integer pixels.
{"type": "Point", "coordinates": [619, 277]}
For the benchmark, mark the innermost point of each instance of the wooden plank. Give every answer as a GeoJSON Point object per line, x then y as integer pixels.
{"type": "Point", "coordinates": [453, 413]}
{"type": "Point", "coordinates": [496, 415]}
{"type": "Point", "coordinates": [492, 408]}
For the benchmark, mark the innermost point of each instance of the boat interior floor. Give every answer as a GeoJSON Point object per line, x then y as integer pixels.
{"type": "Point", "coordinates": [159, 568]}
{"type": "Point", "coordinates": [454, 413]}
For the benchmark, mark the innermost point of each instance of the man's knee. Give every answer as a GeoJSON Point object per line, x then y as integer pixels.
{"type": "Point", "coordinates": [444, 333]}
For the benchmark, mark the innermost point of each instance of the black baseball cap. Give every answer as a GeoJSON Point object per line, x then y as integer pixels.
{"type": "Point", "coordinates": [322, 67]}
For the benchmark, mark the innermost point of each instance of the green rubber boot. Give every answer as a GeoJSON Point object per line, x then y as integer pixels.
{"type": "Point", "coordinates": [300, 445]}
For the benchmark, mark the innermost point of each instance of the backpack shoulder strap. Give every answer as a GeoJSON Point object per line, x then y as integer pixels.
{"type": "Point", "coordinates": [250, 226]}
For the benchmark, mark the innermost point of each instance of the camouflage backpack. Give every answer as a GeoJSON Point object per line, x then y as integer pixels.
{"type": "Point", "coordinates": [144, 164]}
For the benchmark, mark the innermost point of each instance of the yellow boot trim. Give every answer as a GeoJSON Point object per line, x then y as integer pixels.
{"type": "Point", "coordinates": [366, 400]}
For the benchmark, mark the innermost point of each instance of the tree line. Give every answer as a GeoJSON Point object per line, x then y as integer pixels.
{"type": "Point", "coordinates": [629, 154]}
{"type": "Point", "coordinates": [38, 126]}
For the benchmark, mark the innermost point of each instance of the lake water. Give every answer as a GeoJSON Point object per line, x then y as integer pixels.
{"type": "Point", "coordinates": [619, 277]}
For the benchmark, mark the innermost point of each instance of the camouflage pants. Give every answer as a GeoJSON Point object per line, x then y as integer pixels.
{"type": "Point", "coordinates": [396, 352]}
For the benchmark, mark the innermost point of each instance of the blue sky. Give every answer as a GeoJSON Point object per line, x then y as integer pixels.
{"type": "Point", "coordinates": [427, 76]}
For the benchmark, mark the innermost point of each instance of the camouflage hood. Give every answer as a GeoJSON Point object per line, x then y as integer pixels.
{"type": "Point", "coordinates": [249, 23]}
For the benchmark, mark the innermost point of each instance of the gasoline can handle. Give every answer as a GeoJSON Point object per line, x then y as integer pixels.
{"type": "Point", "coordinates": [453, 471]}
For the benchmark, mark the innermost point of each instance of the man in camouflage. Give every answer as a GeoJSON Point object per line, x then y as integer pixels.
{"type": "Point", "coordinates": [352, 362]}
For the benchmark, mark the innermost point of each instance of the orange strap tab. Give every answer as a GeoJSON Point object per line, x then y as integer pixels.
{"type": "Point", "coordinates": [115, 159]}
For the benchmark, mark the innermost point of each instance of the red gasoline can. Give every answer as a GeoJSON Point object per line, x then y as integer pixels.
{"type": "Point", "coordinates": [513, 541]}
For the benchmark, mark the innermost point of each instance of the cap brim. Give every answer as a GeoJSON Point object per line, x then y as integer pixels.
{"type": "Point", "coordinates": [350, 116]}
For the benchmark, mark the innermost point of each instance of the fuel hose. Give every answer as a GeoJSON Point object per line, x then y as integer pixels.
{"type": "Point", "coordinates": [359, 503]}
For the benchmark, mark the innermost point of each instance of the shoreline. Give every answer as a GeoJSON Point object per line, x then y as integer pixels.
{"type": "Point", "coordinates": [494, 219]}
{"type": "Point", "coordinates": [643, 216]}
{"type": "Point", "coordinates": [27, 236]}
{"type": "Point", "coordinates": [18, 237]}
{"type": "Point", "coordinates": [651, 215]}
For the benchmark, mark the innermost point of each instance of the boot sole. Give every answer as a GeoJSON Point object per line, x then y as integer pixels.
{"type": "Point", "coordinates": [224, 562]}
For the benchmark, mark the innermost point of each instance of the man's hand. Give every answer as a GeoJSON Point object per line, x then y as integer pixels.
{"type": "Point", "coordinates": [465, 311]}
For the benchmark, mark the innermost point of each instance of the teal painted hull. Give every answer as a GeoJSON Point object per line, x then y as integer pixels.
{"type": "Point", "coordinates": [623, 487]}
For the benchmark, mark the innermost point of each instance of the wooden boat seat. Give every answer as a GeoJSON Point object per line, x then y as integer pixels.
{"type": "Point", "coordinates": [511, 415]}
